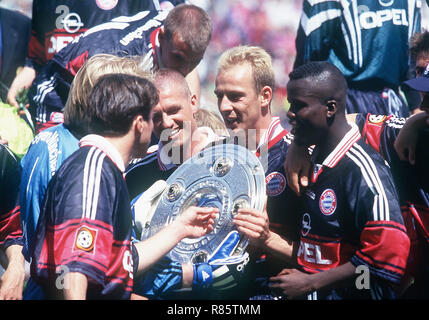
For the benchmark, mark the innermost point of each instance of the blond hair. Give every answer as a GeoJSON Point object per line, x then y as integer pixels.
{"type": "Point", "coordinates": [75, 109]}
{"type": "Point", "coordinates": [259, 60]}
{"type": "Point", "coordinates": [207, 118]}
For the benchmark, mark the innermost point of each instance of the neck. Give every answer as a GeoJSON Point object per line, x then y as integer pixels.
{"type": "Point", "coordinates": [331, 139]}
{"type": "Point", "coordinates": [254, 138]}
{"type": "Point", "coordinates": [124, 146]}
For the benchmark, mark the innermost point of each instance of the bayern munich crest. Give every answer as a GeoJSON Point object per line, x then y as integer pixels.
{"type": "Point", "coordinates": [276, 183]}
{"type": "Point", "coordinates": [328, 202]}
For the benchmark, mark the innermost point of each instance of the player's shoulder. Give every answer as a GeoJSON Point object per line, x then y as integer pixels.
{"type": "Point", "coordinates": [147, 161]}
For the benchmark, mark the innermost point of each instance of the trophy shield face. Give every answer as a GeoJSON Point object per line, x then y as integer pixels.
{"type": "Point", "coordinates": [226, 176]}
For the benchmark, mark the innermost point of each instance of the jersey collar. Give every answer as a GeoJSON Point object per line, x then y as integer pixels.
{"type": "Point", "coordinates": [272, 135]}
{"type": "Point", "coordinates": [343, 147]}
{"type": "Point", "coordinates": [99, 142]}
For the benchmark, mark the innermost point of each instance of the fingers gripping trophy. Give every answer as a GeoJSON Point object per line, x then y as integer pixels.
{"type": "Point", "coordinates": [225, 176]}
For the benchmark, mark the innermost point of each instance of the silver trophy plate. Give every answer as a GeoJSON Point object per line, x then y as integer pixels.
{"type": "Point", "coordinates": [226, 176]}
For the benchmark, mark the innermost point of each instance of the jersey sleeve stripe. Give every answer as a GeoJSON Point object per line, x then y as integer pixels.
{"type": "Point", "coordinates": [313, 23]}
{"type": "Point", "coordinates": [370, 174]}
{"type": "Point", "coordinates": [91, 182]}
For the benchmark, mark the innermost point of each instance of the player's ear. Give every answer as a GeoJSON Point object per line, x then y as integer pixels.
{"type": "Point", "coordinates": [266, 94]}
{"type": "Point", "coordinates": [161, 34]}
{"type": "Point", "coordinates": [139, 124]}
{"type": "Point", "coordinates": [331, 108]}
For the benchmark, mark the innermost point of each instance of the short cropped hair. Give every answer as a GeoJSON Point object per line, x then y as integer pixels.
{"type": "Point", "coordinates": [326, 77]}
{"type": "Point", "coordinates": [165, 78]}
{"type": "Point", "coordinates": [116, 100]}
{"type": "Point", "coordinates": [191, 24]}
{"type": "Point", "coordinates": [419, 44]}
{"type": "Point", "coordinates": [258, 58]}
{"type": "Point", "coordinates": [75, 110]}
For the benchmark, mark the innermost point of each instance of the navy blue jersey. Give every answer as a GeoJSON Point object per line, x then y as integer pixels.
{"type": "Point", "coordinates": [85, 223]}
{"type": "Point", "coordinates": [10, 177]}
{"type": "Point", "coordinates": [56, 23]}
{"type": "Point", "coordinates": [351, 213]}
{"type": "Point", "coordinates": [411, 182]}
{"type": "Point", "coordinates": [123, 36]}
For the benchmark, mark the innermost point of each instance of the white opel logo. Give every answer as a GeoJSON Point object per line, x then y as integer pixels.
{"type": "Point", "coordinates": [72, 23]}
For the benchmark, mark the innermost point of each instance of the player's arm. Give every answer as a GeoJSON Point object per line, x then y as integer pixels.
{"type": "Point", "coordinates": [195, 222]}
{"type": "Point", "coordinates": [294, 284]}
{"type": "Point", "coordinates": [255, 224]}
{"type": "Point", "coordinates": [405, 142]}
{"type": "Point", "coordinates": [23, 80]}
{"type": "Point", "coordinates": [297, 167]}
{"type": "Point", "coordinates": [12, 281]}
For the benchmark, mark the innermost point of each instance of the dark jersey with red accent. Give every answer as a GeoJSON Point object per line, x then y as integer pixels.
{"type": "Point", "coordinates": [56, 23]}
{"type": "Point", "coordinates": [122, 36]}
{"type": "Point", "coordinates": [411, 181]}
{"type": "Point", "coordinates": [10, 177]}
{"type": "Point", "coordinates": [85, 223]}
{"type": "Point", "coordinates": [350, 213]}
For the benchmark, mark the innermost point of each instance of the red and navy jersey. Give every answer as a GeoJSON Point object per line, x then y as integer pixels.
{"type": "Point", "coordinates": [56, 23]}
{"type": "Point", "coordinates": [10, 177]}
{"type": "Point", "coordinates": [411, 181]}
{"type": "Point", "coordinates": [134, 35]}
{"type": "Point", "coordinates": [350, 213]}
{"type": "Point", "coordinates": [122, 36]}
{"type": "Point", "coordinates": [85, 223]}
{"type": "Point", "coordinates": [272, 154]}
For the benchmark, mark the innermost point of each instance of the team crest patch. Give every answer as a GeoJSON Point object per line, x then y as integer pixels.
{"type": "Point", "coordinates": [376, 118]}
{"type": "Point", "coordinates": [106, 4]}
{"type": "Point", "coordinates": [276, 183]}
{"type": "Point", "coordinates": [328, 202]}
{"type": "Point", "coordinates": [85, 239]}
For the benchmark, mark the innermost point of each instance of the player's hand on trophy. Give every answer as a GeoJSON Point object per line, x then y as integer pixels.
{"type": "Point", "coordinates": [196, 222]}
{"type": "Point", "coordinates": [254, 224]}
{"type": "Point", "coordinates": [224, 268]}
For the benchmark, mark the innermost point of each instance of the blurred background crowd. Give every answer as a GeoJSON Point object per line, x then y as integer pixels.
{"type": "Point", "coordinates": [271, 24]}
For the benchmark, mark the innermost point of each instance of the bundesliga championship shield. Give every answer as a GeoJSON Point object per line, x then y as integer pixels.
{"type": "Point", "coordinates": [226, 176]}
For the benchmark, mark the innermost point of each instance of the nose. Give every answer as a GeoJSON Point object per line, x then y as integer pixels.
{"type": "Point", "coordinates": [291, 116]}
{"type": "Point", "coordinates": [224, 105]}
{"type": "Point", "coordinates": [167, 121]}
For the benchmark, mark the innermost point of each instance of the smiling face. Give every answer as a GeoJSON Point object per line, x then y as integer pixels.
{"type": "Point", "coordinates": [307, 113]}
{"type": "Point", "coordinates": [173, 116]}
{"type": "Point", "coordinates": [238, 101]}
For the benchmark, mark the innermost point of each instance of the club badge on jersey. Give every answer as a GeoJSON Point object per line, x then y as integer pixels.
{"type": "Point", "coordinates": [328, 202]}
{"type": "Point", "coordinates": [276, 183]}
